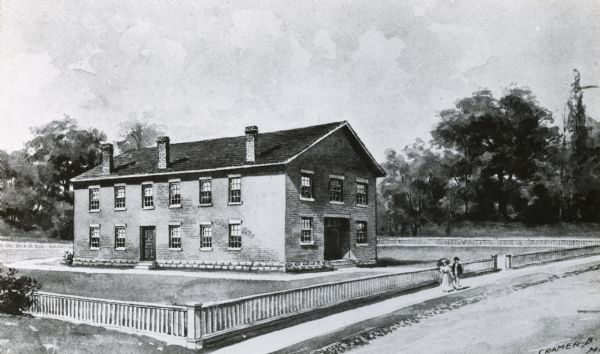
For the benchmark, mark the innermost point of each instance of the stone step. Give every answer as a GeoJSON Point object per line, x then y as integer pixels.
{"type": "Point", "coordinates": [342, 263]}
{"type": "Point", "coordinates": [145, 265]}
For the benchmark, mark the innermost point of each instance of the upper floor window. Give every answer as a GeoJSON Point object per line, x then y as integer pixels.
{"type": "Point", "coordinates": [361, 232]}
{"type": "Point", "coordinates": [174, 194]}
{"type": "Point", "coordinates": [95, 236]}
{"type": "Point", "coordinates": [119, 197]}
{"type": "Point", "coordinates": [235, 189]}
{"type": "Point", "coordinates": [306, 185]}
{"type": "Point", "coordinates": [175, 236]}
{"type": "Point", "coordinates": [362, 192]}
{"type": "Point", "coordinates": [235, 236]}
{"type": "Point", "coordinates": [336, 189]}
{"type": "Point", "coordinates": [119, 237]}
{"type": "Point", "coordinates": [307, 230]}
{"type": "Point", "coordinates": [94, 198]}
{"type": "Point", "coordinates": [147, 196]}
{"type": "Point", "coordinates": [206, 236]}
{"type": "Point", "coordinates": [205, 191]}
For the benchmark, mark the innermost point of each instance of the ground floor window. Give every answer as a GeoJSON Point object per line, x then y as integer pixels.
{"type": "Point", "coordinates": [95, 236]}
{"type": "Point", "coordinates": [119, 237]}
{"type": "Point", "coordinates": [206, 236]}
{"type": "Point", "coordinates": [361, 232]}
{"type": "Point", "coordinates": [235, 236]}
{"type": "Point", "coordinates": [307, 230]}
{"type": "Point", "coordinates": [175, 236]}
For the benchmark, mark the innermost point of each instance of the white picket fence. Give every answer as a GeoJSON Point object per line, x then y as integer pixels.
{"type": "Point", "coordinates": [521, 260]}
{"type": "Point", "coordinates": [193, 324]}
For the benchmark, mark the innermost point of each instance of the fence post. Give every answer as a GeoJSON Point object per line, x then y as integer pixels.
{"type": "Point", "coordinates": [495, 258]}
{"type": "Point", "coordinates": [508, 261]}
{"type": "Point", "coordinates": [194, 326]}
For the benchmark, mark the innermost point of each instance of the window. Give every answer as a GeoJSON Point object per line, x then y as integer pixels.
{"type": "Point", "coordinates": [174, 194]}
{"type": "Point", "coordinates": [147, 196]}
{"type": "Point", "coordinates": [235, 236]}
{"type": "Point", "coordinates": [307, 229]}
{"type": "Point", "coordinates": [336, 190]}
{"type": "Point", "coordinates": [205, 191]}
{"type": "Point", "coordinates": [119, 197]}
{"type": "Point", "coordinates": [205, 236]}
{"type": "Point", "coordinates": [175, 236]}
{"type": "Point", "coordinates": [94, 199]}
{"type": "Point", "coordinates": [306, 185]}
{"type": "Point", "coordinates": [119, 237]}
{"type": "Point", "coordinates": [95, 236]}
{"type": "Point", "coordinates": [361, 232]}
{"type": "Point", "coordinates": [362, 190]}
{"type": "Point", "coordinates": [235, 189]}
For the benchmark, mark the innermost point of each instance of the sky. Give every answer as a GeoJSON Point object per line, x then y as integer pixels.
{"type": "Point", "coordinates": [206, 69]}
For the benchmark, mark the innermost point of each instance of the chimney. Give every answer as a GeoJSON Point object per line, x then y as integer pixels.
{"type": "Point", "coordinates": [251, 143]}
{"type": "Point", "coordinates": [107, 158]}
{"type": "Point", "coordinates": [163, 149]}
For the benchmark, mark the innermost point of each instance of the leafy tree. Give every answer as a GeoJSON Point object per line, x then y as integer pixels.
{"type": "Point", "coordinates": [137, 134]}
{"type": "Point", "coordinates": [16, 293]}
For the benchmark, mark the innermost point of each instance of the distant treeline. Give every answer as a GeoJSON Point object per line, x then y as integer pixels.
{"type": "Point", "coordinates": [495, 160]}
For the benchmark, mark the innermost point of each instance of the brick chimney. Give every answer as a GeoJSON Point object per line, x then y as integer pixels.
{"type": "Point", "coordinates": [251, 143]}
{"type": "Point", "coordinates": [163, 149]}
{"type": "Point", "coordinates": [107, 158]}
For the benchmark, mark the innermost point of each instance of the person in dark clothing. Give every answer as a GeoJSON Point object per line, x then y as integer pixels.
{"type": "Point", "coordinates": [457, 271]}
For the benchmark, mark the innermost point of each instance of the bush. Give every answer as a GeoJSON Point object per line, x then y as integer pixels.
{"type": "Point", "coordinates": [68, 258]}
{"type": "Point", "coordinates": [16, 293]}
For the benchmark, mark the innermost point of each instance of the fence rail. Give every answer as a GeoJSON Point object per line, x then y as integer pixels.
{"type": "Point", "coordinates": [486, 242]}
{"type": "Point", "coordinates": [193, 324]}
{"type": "Point", "coordinates": [521, 260]}
{"type": "Point", "coordinates": [136, 316]}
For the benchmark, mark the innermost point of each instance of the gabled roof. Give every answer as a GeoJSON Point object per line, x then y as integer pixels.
{"type": "Point", "coordinates": [274, 148]}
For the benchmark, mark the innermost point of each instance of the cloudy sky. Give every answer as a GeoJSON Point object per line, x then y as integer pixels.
{"type": "Point", "coordinates": [207, 69]}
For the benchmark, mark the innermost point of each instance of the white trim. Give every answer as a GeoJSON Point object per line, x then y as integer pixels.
{"type": "Point", "coordinates": [336, 202]}
{"type": "Point", "coordinates": [337, 177]}
{"type": "Point", "coordinates": [120, 248]}
{"type": "Point", "coordinates": [174, 223]}
{"type": "Point", "coordinates": [204, 178]}
{"type": "Point", "coordinates": [147, 182]}
{"type": "Point", "coordinates": [175, 206]}
{"type": "Point", "coordinates": [148, 208]}
{"type": "Point", "coordinates": [234, 249]}
{"type": "Point", "coordinates": [94, 210]}
{"type": "Point", "coordinates": [174, 180]}
{"type": "Point", "coordinates": [308, 172]}
{"type": "Point", "coordinates": [120, 209]}
{"type": "Point", "coordinates": [94, 248]}
{"type": "Point", "coordinates": [235, 221]}
{"type": "Point", "coordinates": [95, 225]}
{"type": "Point", "coordinates": [344, 216]}
{"type": "Point", "coordinates": [311, 243]}
{"type": "Point", "coordinates": [205, 223]}
{"type": "Point", "coordinates": [307, 199]}
{"type": "Point", "coordinates": [366, 244]}
{"type": "Point", "coordinates": [120, 225]}
{"type": "Point", "coordinates": [175, 249]}
{"type": "Point", "coordinates": [235, 203]}
{"type": "Point", "coordinates": [205, 204]}
{"type": "Point", "coordinates": [236, 175]}
{"type": "Point", "coordinates": [361, 205]}
{"type": "Point", "coordinates": [94, 187]}
{"type": "Point", "coordinates": [362, 180]}
{"type": "Point", "coordinates": [205, 249]}
{"type": "Point", "coordinates": [120, 185]}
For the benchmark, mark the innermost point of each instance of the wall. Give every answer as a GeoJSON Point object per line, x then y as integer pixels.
{"type": "Point", "coordinates": [261, 213]}
{"type": "Point", "coordinates": [337, 154]}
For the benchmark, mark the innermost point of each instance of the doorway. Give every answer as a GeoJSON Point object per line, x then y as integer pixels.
{"type": "Point", "coordinates": [337, 238]}
{"type": "Point", "coordinates": [148, 243]}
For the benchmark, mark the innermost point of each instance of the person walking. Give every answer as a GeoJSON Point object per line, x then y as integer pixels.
{"type": "Point", "coordinates": [446, 284]}
{"type": "Point", "coordinates": [457, 271]}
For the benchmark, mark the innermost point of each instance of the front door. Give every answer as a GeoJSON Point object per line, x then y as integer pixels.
{"type": "Point", "coordinates": [337, 238]}
{"type": "Point", "coordinates": [148, 246]}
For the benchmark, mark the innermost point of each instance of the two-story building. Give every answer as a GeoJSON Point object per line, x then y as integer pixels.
{"type": "Point", "coordinates": [285, 200]}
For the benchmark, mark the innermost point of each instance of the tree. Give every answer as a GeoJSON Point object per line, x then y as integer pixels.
{"type": "Point", "coordinates": [137, 134]}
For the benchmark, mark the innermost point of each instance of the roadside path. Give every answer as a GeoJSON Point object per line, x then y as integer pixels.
{"type": "Point", "coordinates": [281, 339]}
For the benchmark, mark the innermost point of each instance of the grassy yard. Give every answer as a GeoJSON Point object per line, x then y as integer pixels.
{"type": "Point", "coordinates": [165, 289]}
{"type": "Point", "coordinates": [25, 334]}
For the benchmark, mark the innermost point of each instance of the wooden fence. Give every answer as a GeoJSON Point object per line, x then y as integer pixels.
{"type": "Point", "coordinates": [161, 320]}
{"type": "Point", "coordinates": [194, 324]}
{"type": "Point", "coordinates": [522, 260]}
{"type": "Point", "coordinates": [486, 242]}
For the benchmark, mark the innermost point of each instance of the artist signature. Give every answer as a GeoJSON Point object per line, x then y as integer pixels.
{"type": "Point", "coordinates": [576, 344]}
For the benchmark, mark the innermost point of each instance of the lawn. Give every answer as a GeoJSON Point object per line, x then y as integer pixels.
{"type": "Point", "coordinates": [166, 289]}
{"type": "Point", "coordinates": [25, 334]}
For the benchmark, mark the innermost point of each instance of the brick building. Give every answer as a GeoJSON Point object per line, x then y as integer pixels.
{"type": "Point", "coordinates": [284, 200]}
